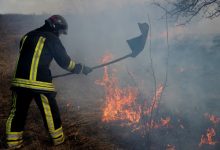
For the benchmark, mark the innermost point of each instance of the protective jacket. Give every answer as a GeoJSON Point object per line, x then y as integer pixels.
{"type": "Point", "coordinates": [37, 49]}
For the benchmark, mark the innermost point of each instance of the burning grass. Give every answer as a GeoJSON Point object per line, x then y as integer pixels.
{"type": "Point", "coordinates": [124, 111]}
{"type": "Point", "coordinates": [124, 119]}
{"type": "Point", "coordinates": [121, 104]}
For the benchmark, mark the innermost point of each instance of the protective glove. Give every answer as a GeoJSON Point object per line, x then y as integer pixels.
{"type": "Point", "coordinates": [86, 70]}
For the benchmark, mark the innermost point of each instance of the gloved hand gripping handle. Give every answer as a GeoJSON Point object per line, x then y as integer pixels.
{"type": "Point", "coordinates": [98, 66]}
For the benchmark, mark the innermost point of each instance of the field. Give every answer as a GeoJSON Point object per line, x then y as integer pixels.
{"type": "Point", "coordinates": [110, 109]}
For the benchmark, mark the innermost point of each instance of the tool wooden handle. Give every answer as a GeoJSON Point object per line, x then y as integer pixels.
{"type": "Point", "coordinates": [111, 62]}
{"type": "Point", "coordinates": [62, 75]}
{"type": "Point", "coordinates": [96, 67]}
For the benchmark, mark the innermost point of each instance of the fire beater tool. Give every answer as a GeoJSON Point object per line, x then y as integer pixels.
{"type": "Point", "coordinates": [136, 45]}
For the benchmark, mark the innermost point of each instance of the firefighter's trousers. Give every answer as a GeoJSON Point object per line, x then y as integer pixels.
{"type": "Point", "coordinates": [46, 102]}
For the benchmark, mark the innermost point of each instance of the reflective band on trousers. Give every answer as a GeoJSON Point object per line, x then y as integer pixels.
{"type": "Point", "coordinates": [13, 136]}
{"type": "Point", "coordinates": [12, 114]}
{"type": "Point", "coordinates": [38, 85]}
{"type": "Point", "coordinates": [48, 114]}
{"type": "Point", "coordinates": [14, 139]}
{"type": "Point", "coordinates": [59, 140]}
{"type": "Point", "coordinates": [36, 58]}
{"type": "Point", "coordinates": [56, 135]}
{"type": "Point", "coordinates": [14, 144]}
{"type": "Point", "coordinates": [71, 65]}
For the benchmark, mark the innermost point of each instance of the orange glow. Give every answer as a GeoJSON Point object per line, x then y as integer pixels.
{"type": "Point", "coordinates": [155, 100]}
{"type": "Point", "coordinates": [208, 138]}
{"type": "Point", "coordinates": [214, 119]}
{"type": "Point", "coordinates": [121, 104]}
{"type": "Point", "coordinates": [164, 122]}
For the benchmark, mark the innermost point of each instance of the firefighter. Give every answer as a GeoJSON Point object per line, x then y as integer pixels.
{"type": "Point", "coordinates": [32, 80]}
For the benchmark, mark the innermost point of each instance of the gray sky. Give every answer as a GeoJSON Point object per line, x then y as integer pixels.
{"type": "Point", "coordinates": [62, 6]}
{"type": "Point", "coordinates": [94, 7]}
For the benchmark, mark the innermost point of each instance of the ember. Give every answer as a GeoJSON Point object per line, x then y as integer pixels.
{"type": "Point", "coordinates": [163, 123]}
{"type": "Point", "coordinates": [214, 119]}
{"type": "Point", "coordinates": [208, 138]}
{"type": "Point", "coordinates": [154, 103]}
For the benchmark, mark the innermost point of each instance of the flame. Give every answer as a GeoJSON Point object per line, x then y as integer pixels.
{"type": "Point", "coordinates": [208, 138]}
{"type": "Point", "coordinates": [155, 100]}
{"type": "Point", "coordinates": [214, 119]}
{"type": "Point", "coordinates": [163, 123]}
{"type": "Point", "coordinates": [121, 104]}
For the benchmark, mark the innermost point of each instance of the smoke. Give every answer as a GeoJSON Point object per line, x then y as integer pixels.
{"type": "Point", "coordinates": [97, 28]}
{"type": "Point", "coordinates": [64, 6]}
{"type": "Point", "coordinates": [193, 84]}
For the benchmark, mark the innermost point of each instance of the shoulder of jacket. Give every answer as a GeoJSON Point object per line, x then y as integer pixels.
{"type": "Point", "coordinates": [50, 36]}
{"type": "Point", "coordinates": [47, 35]}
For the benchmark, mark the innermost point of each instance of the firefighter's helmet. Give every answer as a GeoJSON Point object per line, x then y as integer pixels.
{"type": "Point", "coordinates": [58, 24]}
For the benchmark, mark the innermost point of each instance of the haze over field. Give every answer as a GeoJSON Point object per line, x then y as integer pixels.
{"type": "Point", "coordinates": [100, 27]}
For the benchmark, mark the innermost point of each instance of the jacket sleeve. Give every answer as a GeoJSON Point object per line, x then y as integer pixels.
{"type": "Point", "coordinates": [62, 58]}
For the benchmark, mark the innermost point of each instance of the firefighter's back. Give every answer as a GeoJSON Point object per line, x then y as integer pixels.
{"type": "Point", "coordinates": [32, 69]}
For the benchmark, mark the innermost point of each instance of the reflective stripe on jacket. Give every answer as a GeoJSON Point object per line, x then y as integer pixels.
{"type": "Point", "coordinates": [37, 49]}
